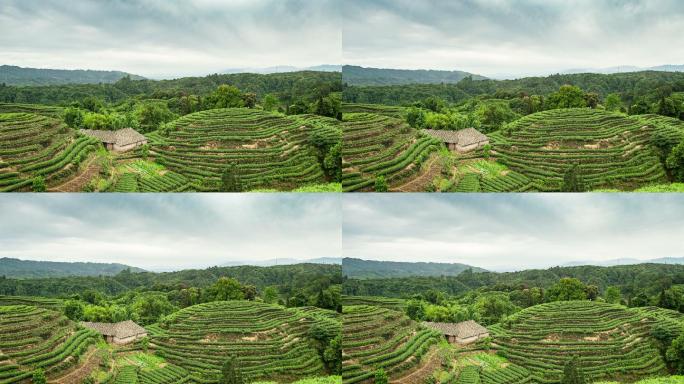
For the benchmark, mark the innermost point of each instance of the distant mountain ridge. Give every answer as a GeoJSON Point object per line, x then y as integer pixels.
{"type": "Point", "coordinates": [369, 269]}
{"type": "Point", "coordinates": [13, 75]}
{"type": "Point", "coordinates": [286, 68]}
{"type": "Point", "coordinates": [627, 261]}
{"type": "Point", "coordinates": [285, 261]}
{"type": "Point", "coordinates": [627, 68]}
{"type": "Point", "coordinates": [28, 269]}
{"type": "Point", "coordinates": [355, 75]}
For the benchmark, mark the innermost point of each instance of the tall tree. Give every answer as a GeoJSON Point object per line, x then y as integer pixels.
{"type": "Point", "coordinates": [572, 374]}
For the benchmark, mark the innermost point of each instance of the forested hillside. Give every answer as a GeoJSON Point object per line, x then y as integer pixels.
{"type": "Point", "coordinates": [355, 75]}
{"type": "Point", "coordinates": [13, 75]}
{"type": "Point", "coordinates": [21, 269]}
{"type": "Point", "coordinates": [364, 269]}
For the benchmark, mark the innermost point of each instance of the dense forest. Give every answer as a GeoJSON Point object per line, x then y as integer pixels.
{"type": "Point", "coordinates": [632, 87]}
{"type": "Point", "coordinates": [145, 296]}
{"type": "Point", "coordinates": [355, 75]}
{"type": "Point", "coordinates": [634, 282]}
{"type": "Point", "coordinates": [364, 269]}
{"type": "Point", "coordinates": [13, 75]}
{"type": "Point", "coordinates": [22, 269]}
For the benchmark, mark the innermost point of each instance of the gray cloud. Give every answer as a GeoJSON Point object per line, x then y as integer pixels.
{"type": "Point", "coordinates": [512, 231]}
{"type": "Point", "coordinates": [494, 37]}
{"type": "Point", "coordinates": [170, 231]}
{"type": "Point", "coordinates": [169, 38]}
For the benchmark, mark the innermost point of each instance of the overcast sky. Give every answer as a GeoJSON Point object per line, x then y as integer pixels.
{"type": "Point", "coordinates": [512, 232]}
{"type": "Point", "coordinates": [169, 38]}
{"type": "Point", "coordinates": [171, 231]}
{"type": "Point", "coordinates": [504, 37]}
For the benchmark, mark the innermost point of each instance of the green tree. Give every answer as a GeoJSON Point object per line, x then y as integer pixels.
{"type": "Point", "coordinates": [613, 102]}
{"type": "Point", "coordinates": [270, 102]}
{"type": "Point", "coordinates": [675, 354]}
{"type": "Point", "coordinates": [332, 355]}
{"type": "Point", "coordinates": [226, 96]}
{"type": "Point", "coordinates": [565, 289]}
{"type": "Point", "coordinates": [73, 117]}
{"type": "Point", "coordinates": [380, 184]}
{"type": "Point", "coordinates": [572, 374]}
{"type": "Point", "coordinates": [226, 288]}
{"type": "Point", "coordinates": [148, 308]}
{"type": "Point", "coordinates": [152, 115]}
{"type": "Point", "coordinates": [568, 96]}
{"type": "Point", "coordinates": [73, 309]}
{"type": "Point", "coordinates": [675, 162]}
{"type": "Point", "coordinates": [230, 179]}
{"type": "Point", "coordinates": [415, 117]}
{"type": "Point", "coordinates": [39, 377]}
{"type": "Point", "coordinates": [415, 310]}
{"type": "Point", "coordinates": [572, 180]}
{"type": "Point", "coordinates": [249, 99]}
{"type": "Point", "coordinates": [38, 184]}
{"type": "Point", "coordinates": [380, 377]}
{"type": "Point", "coordinates": [270, 295]}
{"type": "Point", "coordinates": [613, 295]}
{"type": "Point", "coordinates": [230, 372]}
{"type": "Point", "coordinates": [591, 99]}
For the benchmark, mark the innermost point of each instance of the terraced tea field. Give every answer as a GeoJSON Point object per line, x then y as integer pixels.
{"type": "Point", "coordinates": [270, 342]}
{"type": "Point", "coordinates": [38, 146]}
{"type": "Point", "coordinates": [35, 338]}
{"type": "Point", "coordinates": [376, 338]}
{"type": "Point", "coordinates": [37, 109]}
{"type": "Point", "coordinates": [378, 301]}
{"type": "Point", "coordinates": [611, 341]}
{"type": "Point", "coordinates": [611, 150]}
{"type": "Point", "coordinates": [268, 151]}
{"type": "Point", "coordinates": [376, 145]}
{"type": "Point", "coordinates": [146, 176]}
{"type": "Point", "coordinates": [378, 109]}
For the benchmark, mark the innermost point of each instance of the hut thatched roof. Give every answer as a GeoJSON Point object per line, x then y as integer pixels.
{"type": "Point", "coordinates": [124, 136]}
{"type": "Point", "coordinates": [462, 137]}
{"type": "Point", "coordinates": [462, 330]}
{"type": "Point", "coordinates": [120, 330]}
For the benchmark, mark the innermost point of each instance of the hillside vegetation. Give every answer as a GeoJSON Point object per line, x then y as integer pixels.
{"type": "Point", "coordinates": [12, 75]}
{"type": "Point", "coordinates": [38, 339]}
{"type": "Point", "coordinates": [361, 269]}
{"type": "Point", "coordinates": [381, 151]}
{"type": "Point", "coordinates": [355, 75]}
{"type": "Point", "coordinates": [269, 341]}
{"type": "Point", "coordinates": [37, 151]}
{"type": "Point", "coordinates": [378, 338]}
{"type": "Point", "coordinates": [610, 341]}
{"type": "Point", "coordinates": [264, 150]}
{"type": "Point", "coordinates": [18, 269]}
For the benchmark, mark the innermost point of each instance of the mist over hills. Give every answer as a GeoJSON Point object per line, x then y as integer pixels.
{"type": "Point", "coordinates": [286, 68]}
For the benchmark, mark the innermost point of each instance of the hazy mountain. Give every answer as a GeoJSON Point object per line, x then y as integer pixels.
{"type": "Point", "coordinates": [627, 68]}
{"type": "Point", "coordinates": [354, 75]}
{"type": "Point", "coordinates": [24, 269]}
{"type": "Point", "coordinates": [284, 261]}
{"type": "Point", "coordinates": [12, 75]}
{"type": "Point", "coordinates": [367, 269]}
{"type": "Point", "coordinates": [286, 68]}
{"type": "Point", "coordinates": [628, 261]}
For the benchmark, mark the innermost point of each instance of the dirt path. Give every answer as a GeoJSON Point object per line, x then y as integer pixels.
{"type": "Point", "coordinates": [77, 183]}
{"type": "Point", "coordinates": [417, 184]}
{"type": "Point", "coordinates": [79, 374]}
{"type": "Point", "coordinates": [418, 376]}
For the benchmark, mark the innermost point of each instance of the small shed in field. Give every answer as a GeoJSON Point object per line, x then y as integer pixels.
{"type": "Point", "coordinates": [465, 332]}
{"type": "Point", "coordinates": [123, 332]}
{"type": "Point", "coordinates": [121, 140]}
{"type": "Point", "coordinates": [464, 140]}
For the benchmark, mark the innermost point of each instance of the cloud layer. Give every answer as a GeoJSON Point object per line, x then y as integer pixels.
{"type": "Point", "coordinates": [161, 38]}
{"type": "Point", "coordinates": [503, 37]}
{"type": "Point", "coordinates": [512, 231]}
{"type": "Point", "coordinates": [170, 231]}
